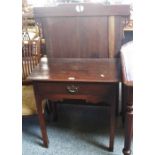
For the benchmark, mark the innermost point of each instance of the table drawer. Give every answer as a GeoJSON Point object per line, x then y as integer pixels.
{"type": "Point", "coordinates": [76, 88]}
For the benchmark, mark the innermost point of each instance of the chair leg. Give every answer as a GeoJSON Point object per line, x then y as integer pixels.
{"type": "Point", "coordinates": [128, 121]}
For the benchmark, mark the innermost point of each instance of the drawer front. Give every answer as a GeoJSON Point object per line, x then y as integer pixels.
{"type": "Point", "coordinates": [97, 89]}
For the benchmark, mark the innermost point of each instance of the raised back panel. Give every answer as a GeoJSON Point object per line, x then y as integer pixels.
{"type": "Point", "coordinates": [95, 31]}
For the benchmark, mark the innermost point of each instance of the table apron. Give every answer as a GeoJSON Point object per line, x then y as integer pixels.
{"type": "Point", "coordinates": [90, 92]}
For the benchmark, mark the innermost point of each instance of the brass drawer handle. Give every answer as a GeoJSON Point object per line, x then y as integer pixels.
{"type": "Point", "coordinates": [72, 89]}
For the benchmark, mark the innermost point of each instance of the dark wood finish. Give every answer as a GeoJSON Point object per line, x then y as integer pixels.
{"type": "Point", "coordinates": [93, 80]}
{"type": "Point", "coordinates": [80, 32]}
{"type": "Point", "coordinates": [97, 32]}
{"type": "Point", "coordinates": [127, 74]}
{"type": "Point", "coordinates": [41, 116]}
{"type": "Point", "coordinates": [89, 10]}
{"type": "Point", "coordinates": [128, 119]}
{"type": "Point", "coordinates": [56, 69]}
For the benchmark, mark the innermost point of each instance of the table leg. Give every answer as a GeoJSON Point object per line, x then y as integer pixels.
{"type": "Point", "coordinates": [55, 112]}
{"type": "Point", "coordinates": [128, 123]}
{"type": "Point", "coordinates": [41, 120]}
{"type": "Point", "coordinates": [112, 121]}
{"type": "Point", "coordinates": [117, 101]}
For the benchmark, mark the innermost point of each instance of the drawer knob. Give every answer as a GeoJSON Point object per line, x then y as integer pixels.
{"type": "Point", "coordinates": [72, 89]}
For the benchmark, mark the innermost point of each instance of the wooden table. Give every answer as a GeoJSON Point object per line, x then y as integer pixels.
{"type": "Point", "coordinates": [127, 74]}
{"type": "Point", "coordinates": [92, 80]}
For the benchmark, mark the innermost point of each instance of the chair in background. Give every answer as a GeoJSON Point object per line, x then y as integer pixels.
{"type": "Point", "coordinates": [30, 58]}
{"type": "Point", "coordinates": [31, 55]}
{"type": "Point", "coordinates": [33, 47]}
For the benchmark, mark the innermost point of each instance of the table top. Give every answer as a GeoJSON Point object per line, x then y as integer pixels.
{"type": "Point", "coordinates": [127, 63]}
{"type": "Point", "coordinates": [77, 70]}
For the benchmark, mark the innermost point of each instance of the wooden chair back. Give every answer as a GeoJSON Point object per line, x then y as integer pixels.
{"type": "Point", "coordinates": [82, 30]}
{"type": "Point", "coordinates": [30, 57]}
